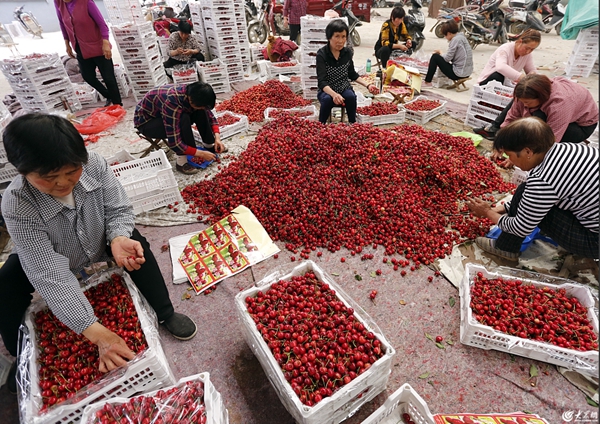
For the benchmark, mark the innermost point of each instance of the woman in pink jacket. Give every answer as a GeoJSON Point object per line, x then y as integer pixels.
{"type": "Point", "coordinates": [86, 33]}
{"type": "Point", "coordinates": [512, 60]}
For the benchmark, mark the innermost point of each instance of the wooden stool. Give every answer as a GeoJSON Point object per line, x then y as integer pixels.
{"type": "Point", "coordinates": [155, 144]}
{"type": "Point", "coordinates": [457, 84]}
{"type": "Point", "coordinates": [343, 114]}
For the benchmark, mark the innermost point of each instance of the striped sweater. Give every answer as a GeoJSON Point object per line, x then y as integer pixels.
{"type": "Point", "coordinates": [567, 178]}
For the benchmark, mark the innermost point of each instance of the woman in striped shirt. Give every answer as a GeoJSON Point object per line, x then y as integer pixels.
{"type": "Point", "coordinates": [561, 194]}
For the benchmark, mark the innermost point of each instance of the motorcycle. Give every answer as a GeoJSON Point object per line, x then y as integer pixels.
{"type": "Point", "coordinates": [524, 15]}
{"type": "Point", "coordinates": [28, 21]}
{"type": "Point", "coordinates": [344, 9]}
{"type": "Point", "coordinates": [477, 33]}
{"type": "Point", "coordinates": [446, 13]}
{"type": "Point", "coordinates": [553, 14]}
{"type": "Point", "coordinates": [415, 24]}
{"type": "Point", "coordinates": [269, 20]}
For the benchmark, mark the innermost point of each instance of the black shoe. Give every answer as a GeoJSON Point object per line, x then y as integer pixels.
{"type": "Point", "coordinates": [180, 326]}
{"type": "Point", "coordinates": [108, 103]}
{"type": "Point", "coordinates": [488, 132]}
{"type": "Point", "coordinates": [186, 169]}
{"type": "Point", "coordinates": [11, 381]}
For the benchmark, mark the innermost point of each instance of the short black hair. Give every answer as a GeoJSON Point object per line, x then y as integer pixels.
{"type": "Point", "coordinates": [337, 25]}
{"type": "Point", "coordinates": [450, 26]}
{"type": "Point", "coordinates": [529, 132]}
{"type": "Point", "coordinates": [41, 143]}
{"type": "Point", "coordinates": [184, 26]}
{"type": "Point", "coordinates": [397, 12]}
{"type": "Point", "coordinates": [201, 94]}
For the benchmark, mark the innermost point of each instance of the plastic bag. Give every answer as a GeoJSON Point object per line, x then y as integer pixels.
{"type": "Point", "coordinates": [101, 119]}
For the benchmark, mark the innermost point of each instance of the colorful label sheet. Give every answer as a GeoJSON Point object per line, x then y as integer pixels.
{"type": "Point", "coordinates": [218, 252]}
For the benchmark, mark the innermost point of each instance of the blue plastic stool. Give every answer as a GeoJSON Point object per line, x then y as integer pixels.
{"type": "Point", "coordinates": [495, 232]}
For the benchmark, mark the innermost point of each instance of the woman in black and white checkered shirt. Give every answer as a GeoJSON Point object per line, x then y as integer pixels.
{"type": "Point", "coordinates": [64, 212]}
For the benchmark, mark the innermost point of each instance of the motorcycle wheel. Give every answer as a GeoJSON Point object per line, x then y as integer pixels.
{"type": "Point", "coordinates": [517, 27]}
{"type": "Point", "coordinates": [438, 31]}
{"type": "Point", "coordinates": [257, 33]}
{"type": "Point", "coordinates": [558, 28]}
{"type": "Point", "coordinates": [355, 38]}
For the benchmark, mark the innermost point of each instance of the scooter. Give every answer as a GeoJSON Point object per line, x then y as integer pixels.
{"type": "Point", "coordinates": [415, 24]}
{"type": "Point", "coordinates": [524, 15]}
{"type": "Point", "coordinates": [446, 13]}
{"type": "Point", "coordinates": [28, 21]}
{"type": "Point", "coordinates": [344, 9]}
{"type": "Point", "coordinates": [553, 14]}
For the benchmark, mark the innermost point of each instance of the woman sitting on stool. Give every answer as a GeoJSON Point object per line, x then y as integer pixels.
{"type": "Point", "coordinates": [560, 195]}
{"type": "Point", "coordinates": [335, 70]}
{"type": "Point", "coordinates": [457, 63]}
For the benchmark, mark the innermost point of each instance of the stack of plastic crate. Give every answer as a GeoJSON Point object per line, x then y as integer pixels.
{"type": "Point", "coordinates": [122, 80]}
{"type": "Point", "coordinates": [198, 22]}
{"type": "Point", "coordinates": [313, 38]}
{"type": "Point", "coordinates": [242, 30]}
{"type": "Point", "coordinates": [40, 83]}
{"type": "Point", "coordinates": [122, 11]}
{"type": "Point", "coordinates": [584, 54]}
{"type": "Point", "coordinates": [163, 47]}
{"type": "Point", "coordinates": [222, 35]}
{"type": "Point", "coordinates": [487, 102]}
{"type": "Point", "coordinates": [85, 93]}
{"type": "Point", "coordinates": [215, 74]}
{"type": "Point", "coordinates": [7, 171]}
{"type": "Point", "coordinates": [141, 57]}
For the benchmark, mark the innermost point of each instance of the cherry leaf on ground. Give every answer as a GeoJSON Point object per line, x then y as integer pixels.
{"type": "Point", "coordinates": [424, 375]}
{"type": "Point", "coordinates": [373, 274]}
{"type": "Point", "coordinates": [335, 273]}
{"type": "Point", "coordinates": [441, 346]}
{"type": "Point", "coordinates": [357, 277]}
{"type": "Point", "coordinates": [449, 342]}
{"type": "Point", "coordinates": [533, 371]}
{"type": "Point", "coordinates": [430, 337]}
{"type": "Point", "coordinates": [451, 301]}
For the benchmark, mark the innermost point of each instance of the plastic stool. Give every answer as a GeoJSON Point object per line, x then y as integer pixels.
{"type": "Point", "coordinates": [155, 144]}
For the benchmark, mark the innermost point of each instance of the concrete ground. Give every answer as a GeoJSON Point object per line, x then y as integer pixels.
{"type": "Point", "coordinates": [456, 379]}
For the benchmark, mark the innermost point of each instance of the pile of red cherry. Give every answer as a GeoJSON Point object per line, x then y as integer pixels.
{"type": "Point", "coordinates": [331, 186]}
{"type": "Point", "coordinates": [253, 101]}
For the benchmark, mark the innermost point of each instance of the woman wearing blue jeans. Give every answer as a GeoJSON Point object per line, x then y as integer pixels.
{"type": "Point", "coordinates": [335, 70]}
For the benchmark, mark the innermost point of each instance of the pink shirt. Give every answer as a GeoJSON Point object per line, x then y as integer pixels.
{"type": "Point", "coordinates": [503, 61]}
{"type": "Point", "coordinates": [568, 102]}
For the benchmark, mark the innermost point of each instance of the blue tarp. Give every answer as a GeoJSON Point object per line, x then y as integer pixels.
{"type": "Point", "coordinates": [580, 14]}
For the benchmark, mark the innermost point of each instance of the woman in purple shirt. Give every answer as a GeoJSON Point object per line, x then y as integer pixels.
{"type": "Point", "coordinates": [85, 31]}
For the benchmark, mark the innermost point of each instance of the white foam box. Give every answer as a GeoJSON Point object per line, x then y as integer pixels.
{"type": "Point", "coordinates": [472, 333]}
{"type": "Point", "coordinates": [405, 400]}
{"type": "Point", "coordinates": [310, 108]}
{"type": "Point", "coordinates": [423, 117]}
{"type": "Point", "coordinates": [349, 398]}
{"type": "Point", "coordinates": [149, 371]}
{"type": "Point", "coordinates": [396, 118]}
{"type": "Point", "coordinates": [215, 409]}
